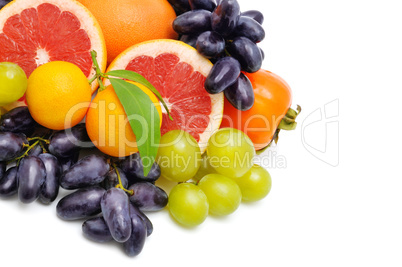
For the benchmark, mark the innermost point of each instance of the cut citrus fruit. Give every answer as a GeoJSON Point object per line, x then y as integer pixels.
{"type": "Point", "coordinates": [178, 72]}
{"type": "Point", "coordinates": [39, 31]}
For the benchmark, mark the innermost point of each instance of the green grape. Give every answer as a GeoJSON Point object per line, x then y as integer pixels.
{"type": "Point", "coordinates": [230, 152]}
{"type": "Point", "coordinates": [179, 156]}
{"type": "Point", "coordinates": [188, 204]}
{"type": "Point", "coordinates": [204, 169]}
{"type": "Point", "coordinates": [13, 83]}
{"type": "Point", "coordinates": [255, 184]}
{"type": "Point", "coordinates": [224, 195]}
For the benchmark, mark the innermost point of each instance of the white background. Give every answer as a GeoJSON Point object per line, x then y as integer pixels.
{"type": "Point", "coordinates": [349, 52]}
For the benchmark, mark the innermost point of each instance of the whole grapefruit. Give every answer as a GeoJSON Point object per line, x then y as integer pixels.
{"type": "Point", "coordinates": [128, 22]}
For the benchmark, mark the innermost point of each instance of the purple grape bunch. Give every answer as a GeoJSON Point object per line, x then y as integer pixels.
{"type": "Point", "coordinates": [229, 38]}
{"type": "Point", "coordinates": [110, 195]}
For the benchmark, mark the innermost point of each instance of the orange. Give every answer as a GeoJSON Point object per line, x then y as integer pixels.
{"type": "Point", "coordinates": [129, 22]}
{"type": "Point", "coordinates": [178, 72]}
{"type": "Point", "coordinates": [273, 98]}
{"type": "Point", "coordinates": [58, 95]}
{"type": "Point", "coordinates": [35, 32]}
{"type": "Point", "coordinates": [108, 126]}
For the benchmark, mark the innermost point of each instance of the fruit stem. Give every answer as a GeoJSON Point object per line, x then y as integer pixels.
{"type": "Point", "coordinates": [26, 152]}
{"type": "Point", "coordinates": [289, 120]}
{"type": "Point", "coordinates": [120, 185]}
{"type": "Point", "coordinates": [98, 76]}
{"type": "Point", "coordinates": [39, 139]}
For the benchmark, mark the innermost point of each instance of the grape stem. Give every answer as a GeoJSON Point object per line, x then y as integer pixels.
{"type": "Point", "coordinates": [120, 185]}
{"type": "Point", "coordinates": [25, 153]}
{"type": "Point", "coordinates": [46, 141]}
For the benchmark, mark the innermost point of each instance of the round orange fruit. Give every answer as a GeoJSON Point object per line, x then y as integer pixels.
{"type": "Point", "coordinates": [127, 22]}
{"type": "Point", "coordinates": [108, 126]}
{"type": "Point", "coordinates": [58, 95]}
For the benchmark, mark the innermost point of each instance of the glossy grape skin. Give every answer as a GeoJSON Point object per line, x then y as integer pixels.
{"type": "Point", "coordinates": [134, 170]}
{"type": "Point", "coordinates": [134, 245]}
{"type": "Point", "coordinates": [13, 82]}
{"type": "Point", "coordinates": [223, 74]}
{"type": "Point", "coordinates": [36, 150]}
{"type": "Point", "coordinates": [96, 229]}
{"type": "Point", "coordinates": [178, 156]}
{"type": "Point", "coordinates": [4, 2]}
{"type": "Point", "coordinates": [250, 28]}
{"type": "Point", "coordinates": [3, 166]}
{"type": "Point", "coordinates": [255, 184]}
{"type": "Point", "coordinates": [224, 195]}
{"type": "Point", "coordinates": [188, 204]}
{"type": "Point", "coordinates": [67, 163]}
{"type": "Point", "coordinates": [241, 93]}
{"type": "Point", "coordinates": [210, 44]}
{"type": "Point", "coordinates": [147, 221]}
{"type": "Point", "coordinates": [31, 175]}
{"type": "Point", "coordinates": [115, 210]}
{"type": "Point", "coordinates": [68, 142]}
{"type": "Point", "coordinates": [112, 180]}
{"type": "Point", "coordinates": [204, 169]}
{"type": "Point", "coordinates": [193, 22]}
{"type": "Point", "coordinates": [17, 120]}
{"type": "Point", "coordinates": [11, 145]}
{"type": "Point", "coordinates": [81, 204]}
{"type": "Point", "coordinates": [50, 188]}
{"type": "Point", "coordinates": [225, 17]}
{"type": "Point", "coordinates": [209, 5]}
{"type": "Point", "coordinates": [148, 197]}
{"type": "Point", "coordinates": [88, 171]}
{"type": "Point", "coordinates": [262, 54]}
{"type": "Point", "coordinates": [247, 53]}
{"type": "Point", "coordinates": [180, 6]}
{"type": "Point", "coordinates": [9, 183]}
{"type": "Point", "coordinates": [191, 40]}
{"type": "Point", "coordinates": [230, 152]}
{"type": "Point", "coordinates": [255, 15]}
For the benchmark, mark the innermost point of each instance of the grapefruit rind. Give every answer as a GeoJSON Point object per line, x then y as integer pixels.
{"type": "Point", "coordinates": [186, 54]}
{"type": "Point", "coordinates": [90, 26]}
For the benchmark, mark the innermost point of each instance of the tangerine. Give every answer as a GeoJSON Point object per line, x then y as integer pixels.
{"type": "Point", "coordinates": [108, 126]}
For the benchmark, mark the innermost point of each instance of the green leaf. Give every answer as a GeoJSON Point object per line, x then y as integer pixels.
{"type": "Point", "coordinates": [135, 77]}
{"type": "Point", "coordinates": [143, 118]}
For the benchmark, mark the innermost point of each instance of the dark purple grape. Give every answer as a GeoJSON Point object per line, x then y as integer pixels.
{"type": "Point", "coordinates": [115, 209]}
{"type": "Point", "coordinates": [67, 163]}
{"type": "Point", "coordinates": [31, 175]}
{"type": "Point", "coordinates": [210, 44]}
{"type": "Point", "coordinates": [190, 40]}
{"type": "Point", "coordinates": [9, 183]}
{"type": "Point", "coordinates": [11, 145]}
{"type": "Point", "coordinates": [50, 189]}
{"type": "Point", "coordinates": [81, 204]}
{"type": "Point", "coordinates": [36, 150]}
{"type": "Point", "coordinates": [132, 167]}
{"type": "Point", "coordinates": [17, 120]}
{"type": "Point", "coordinates": [112, 180]}
{"type": "Point", "coordinates": [4, 2]}
{"type": "Point", "coordinates": [209, 5]}
{"type": "Point", "coordinates": [3, 166]}
{"type": "Point", "coordinates": [180, 6]}
{"type": "Point", "coordinates": [148, 197]}
{"type": "Point", "coordinates": [255, 15]}
{"type": "Point", "coordinates": [247, 53]}
{"type": "Point", "coordinates": [97, 230]}
{"type": "Point", "coordinates": [90, 170]}
{"type": "Point", "coordinates": [134, 245]}
{"type": "Point", "coordinates": [225, 17]}
{"type": "Point", "coordinates": [193, 22]}
{"type": "Point", "coordinates": [262, 54]}
{"type": "Point", "coordinates": [247, 27]}
{"type": "Point", "coordinates": [223, 74]}
{"type": "Point", "coordinates": [147, 221]}
{"type": "Point", "coordinates": [241, 93]}
{"type": "Point", "coordinates": [67, 142]}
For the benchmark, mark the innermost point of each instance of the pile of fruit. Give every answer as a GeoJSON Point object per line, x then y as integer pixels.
{"type": "Point", "coordinates": [104, 115]}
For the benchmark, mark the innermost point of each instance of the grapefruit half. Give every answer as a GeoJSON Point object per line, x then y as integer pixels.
{"type": "Point", "coordinates": [178, 72]}
{"type": "Point", "coordinates": [35, 32]}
